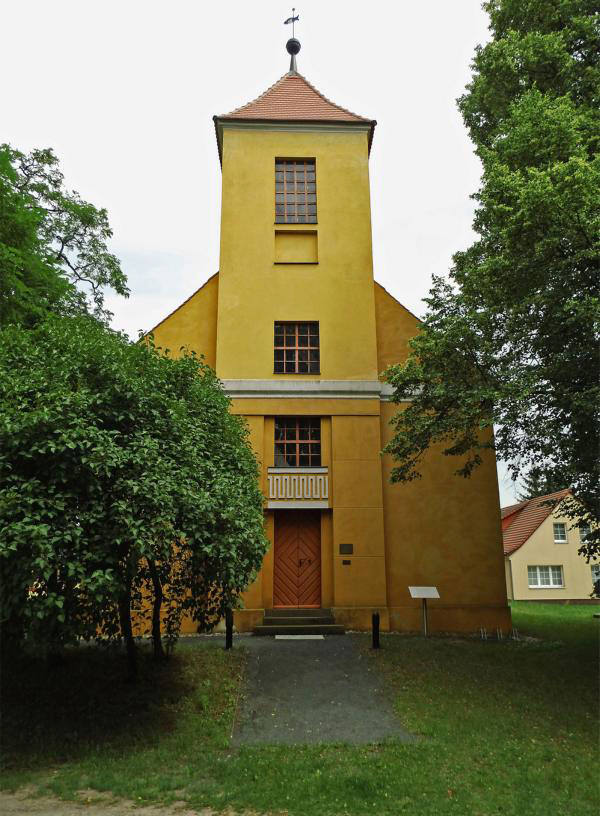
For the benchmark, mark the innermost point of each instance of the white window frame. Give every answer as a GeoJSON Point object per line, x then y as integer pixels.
{"type": "Point", "coordinates": [595, 569]}
{"type": "Point", "coordinates": [549, 567]}
{"type": "Point", "coordinates": [564, 528]}
{"type": "Point", "coordinates": [584, 532]}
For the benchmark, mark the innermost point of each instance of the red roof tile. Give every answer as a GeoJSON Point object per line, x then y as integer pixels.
{"type": "Point", "coordinates": [527, 517]}
{"type": "Point", "coordinates": [293, 98]}
{"type": "Point", "coordinates": [512, 508]}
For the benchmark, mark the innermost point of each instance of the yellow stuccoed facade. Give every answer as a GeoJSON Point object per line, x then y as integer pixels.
{"type": "Point", "coordinates": [376, 538]}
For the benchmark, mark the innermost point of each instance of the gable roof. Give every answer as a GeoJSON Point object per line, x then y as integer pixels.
{"type": "Point", "coordinates": [512, 508]}
{"type": "Point", "coordinates": [527, 517]}
{"type": "Point", "coordinates": [292, 99]}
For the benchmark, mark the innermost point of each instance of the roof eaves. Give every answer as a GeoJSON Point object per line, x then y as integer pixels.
{"type": "Point", "coordinates": [257, 120]}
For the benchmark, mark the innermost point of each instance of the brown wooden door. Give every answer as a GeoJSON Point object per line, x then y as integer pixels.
{"type": "Point", "coordinates": [297, 570]}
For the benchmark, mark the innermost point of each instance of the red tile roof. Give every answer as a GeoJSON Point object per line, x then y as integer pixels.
{"type": "Point", "coordinates": [512, 508]}
{"type": "Point", "coordinates": [526, 518]}
{"type": "Point", "coordinates": [293, 98]}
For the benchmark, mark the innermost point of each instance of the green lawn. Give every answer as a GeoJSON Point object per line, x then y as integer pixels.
{"type": "Point", "coordinates": [507, 728]}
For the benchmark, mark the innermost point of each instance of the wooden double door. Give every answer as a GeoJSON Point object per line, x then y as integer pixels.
{"type": "Point", "coordinates": [297, 567]}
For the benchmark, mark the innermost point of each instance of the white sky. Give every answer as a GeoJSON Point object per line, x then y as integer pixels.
{"type": "Point", "coordinates": [125, 90]}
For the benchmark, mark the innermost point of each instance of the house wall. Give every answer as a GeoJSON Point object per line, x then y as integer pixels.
{"type": "Point", "coordinates": [540, 549]}
{"type": "Point", "coordinates": [509, 584]}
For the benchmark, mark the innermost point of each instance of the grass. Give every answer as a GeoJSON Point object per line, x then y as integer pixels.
{"type": "Point", "coordinates": [507, 728]}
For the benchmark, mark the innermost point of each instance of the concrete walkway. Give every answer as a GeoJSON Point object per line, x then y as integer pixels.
{"type": "Point", "coordinates": [311, 691]}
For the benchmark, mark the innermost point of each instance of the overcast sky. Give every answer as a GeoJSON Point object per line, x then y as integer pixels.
{"type": "Point", "coordinates": [125, 90]}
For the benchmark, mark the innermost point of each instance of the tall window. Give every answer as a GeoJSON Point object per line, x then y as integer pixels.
{"type": "Point", "coordinates": [297, 442]}
{"type": "Point", "coordinates": [545, 577]}
{"type": "Point", "coordinates": [595, 573]}
{"type": "Point", "coordinates": [295, 191]}
{"type": "Point", "coordinates": [560, 533]}
{"type": "Point", "coordinates": [296, 348]}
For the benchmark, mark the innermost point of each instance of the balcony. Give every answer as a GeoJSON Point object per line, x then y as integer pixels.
{"type": "Point", "coordinates": [297, 488]}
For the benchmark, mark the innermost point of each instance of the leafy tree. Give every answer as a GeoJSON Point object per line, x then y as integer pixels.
{"type": "Point", "coordinates": [53, 245]}
{"type": "Point", "coordinates": [538, 483]}
{"type": "Point", "coordinates": [511, 339]}
{"type": "Point", "coordinates": [125, 484]}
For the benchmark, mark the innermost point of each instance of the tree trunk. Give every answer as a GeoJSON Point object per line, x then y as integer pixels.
{"type": "Point", "coordinates": [127, 632]}
{"type": "Point", "coordinates": [159, 653]}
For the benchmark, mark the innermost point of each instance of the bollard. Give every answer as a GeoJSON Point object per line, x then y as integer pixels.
{"type": "Point", "coordinates": [228, 629]}
{"type": "Point", "coordinates": [375, 626]}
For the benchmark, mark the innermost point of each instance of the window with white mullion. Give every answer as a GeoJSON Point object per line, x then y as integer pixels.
{"type": "Point", "coordinates": [560, 532]}
{"type": "Point", "coordinates": [545, 576]}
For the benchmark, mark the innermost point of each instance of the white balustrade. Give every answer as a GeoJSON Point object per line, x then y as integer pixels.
{"type": "Point", "coordinates": [298, 484]}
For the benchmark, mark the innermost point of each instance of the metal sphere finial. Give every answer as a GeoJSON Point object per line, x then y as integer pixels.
{"type": "Point", "coordinates": [293, 46]}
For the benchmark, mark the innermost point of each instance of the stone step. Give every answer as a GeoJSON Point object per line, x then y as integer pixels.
{"type": "Point", "coordinates": [317, 629]}
{"type": "Point", "coordinates": [309, 620]}
{"type": "Point", "coordinates": [294, 612]}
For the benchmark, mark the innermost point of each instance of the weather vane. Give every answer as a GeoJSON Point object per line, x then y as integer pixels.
{"type": "Point", "coordinates": [292, 20]}
{"type": "Point", "coordinates": [293, 45]}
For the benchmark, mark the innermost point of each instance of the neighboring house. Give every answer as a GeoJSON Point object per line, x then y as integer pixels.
{"type": "Point", "coordinates": [298, 332]}
{"type": "Point", "coordinates": [541, 552]}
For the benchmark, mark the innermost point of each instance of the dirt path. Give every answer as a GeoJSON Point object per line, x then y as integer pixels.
{"type": "Point", "coordinates": [92, 803]}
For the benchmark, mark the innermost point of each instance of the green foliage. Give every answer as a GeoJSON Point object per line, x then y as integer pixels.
{"type": "Point", "coordinates": [121, 471]}
{"type": "Point", "coordinates": [511, 341]}
{"type": "Point", "coordinates": [53, 245]}
{"type": "Point", "coordinates": [537, 483]}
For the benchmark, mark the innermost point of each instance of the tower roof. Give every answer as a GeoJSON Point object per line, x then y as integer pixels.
{"type": "Point", "coordinates": [293, 99]}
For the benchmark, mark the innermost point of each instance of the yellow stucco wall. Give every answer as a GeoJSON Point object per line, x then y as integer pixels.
{"type": "Point", "coordinates": [395, 326]}
{"type": "Point", "coordinates": [540, 549]}
{"type": "Point", "coordinates": [193, 324]}
{"type": "Point", "coordinates": [338, 291]}
{"type": "Point", "coordinates": [359, 578]}
{"type": "Point", "coordinates": [443, 530]}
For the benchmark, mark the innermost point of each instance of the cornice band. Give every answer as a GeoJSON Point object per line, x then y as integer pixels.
{"type": "Point", "coordinates": [308, 389]}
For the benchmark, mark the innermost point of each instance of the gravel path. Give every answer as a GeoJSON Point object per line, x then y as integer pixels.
{"type": "Point", "coordinates": [312, 691]}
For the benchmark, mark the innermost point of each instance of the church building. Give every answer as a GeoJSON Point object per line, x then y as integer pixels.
{"type": "Point", "coordinates": [299, 332]}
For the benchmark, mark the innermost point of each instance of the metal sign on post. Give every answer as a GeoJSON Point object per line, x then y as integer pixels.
{"type": "Point", "coordinates": [424, 593]}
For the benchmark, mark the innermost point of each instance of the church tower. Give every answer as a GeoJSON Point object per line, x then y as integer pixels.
{"type": "Point", "coordinates": [298, 332]}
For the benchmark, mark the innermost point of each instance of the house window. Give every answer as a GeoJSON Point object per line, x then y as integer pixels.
{"type": "Point", "coordinates": [584, 532]}
{"type": "Point", "coordinates": [296, 348]}
{"type": "Point", "coordinates": [295, 191]}
{"type": "Point", "coordinates": [545, 577]}
{"type": "Point", "coordinates": [297, 442]}
{"type": "Point", "coordinates": [595, 573]}
{"type": "Point", "coordinates": [560, 533]}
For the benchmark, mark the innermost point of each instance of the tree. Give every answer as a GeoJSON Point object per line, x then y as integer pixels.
{"type": "Point", "coordinates": [54, 255]}
{"type": "Point", "coordinates": [538, 483]}
{"type": "Point", "coordinates": [123, 479]}
{"type": "Point", "coordinates": [511, 339]}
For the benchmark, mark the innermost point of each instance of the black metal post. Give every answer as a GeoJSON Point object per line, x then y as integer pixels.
{"type": "Point", "coordinates": [229, 629]}
{"type": "Point", "coordinates": [375, 626]}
